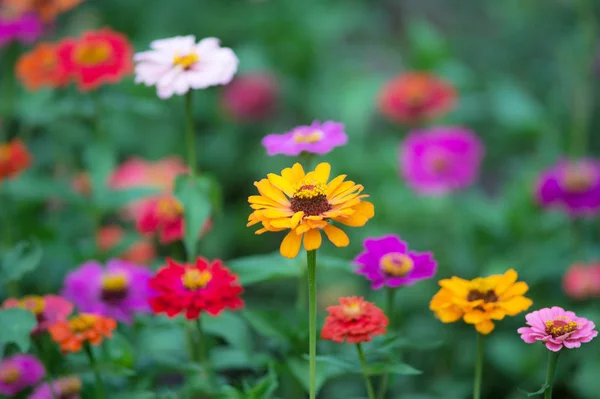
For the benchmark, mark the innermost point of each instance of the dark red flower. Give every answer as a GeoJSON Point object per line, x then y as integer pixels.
{"type": "Point", "coordinates": [204, 287]}
{"type": "Point", "coordinates": [14, 158]}
{"type": "Point", "coordinates": [354, 320]}
{"type": "Point", "coordinates": [251, 97]}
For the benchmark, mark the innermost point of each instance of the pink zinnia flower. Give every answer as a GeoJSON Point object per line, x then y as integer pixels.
{"type": "Point", "coordinates": [178, 64]}
{"type": "Point", "coordinates": [573, 186]}
{"type": "Point", "coordinates": [557, 328]}
{"type": "Point", "coordinates": [441, 159]}
{"type": "Point", "coordinates": [48, 309]}
{"type": "Point", "coordinates": [316, 139]}
{"type": "Point", "coordinates": [250, 97]}
{"type": "Point", "coordinates": [582, 281]}
{"type": "Point", "coordinates": [164, 216]}
{"type": "Point", "coordinates": [64, 388]}
{"type": "Point", "coordinates": [19, 372]}
{"type": "Point", "coordinates": [26, 28]}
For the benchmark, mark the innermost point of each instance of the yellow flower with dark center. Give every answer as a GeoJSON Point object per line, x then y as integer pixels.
{"type": "Point", "coordinates": [481, 300]}
{"type": "Point", "coordinates": [307, 203]}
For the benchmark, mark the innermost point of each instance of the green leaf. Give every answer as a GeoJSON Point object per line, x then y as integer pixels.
{"type": "Point", "coordinates": [265, 388]}
{"type": "Point", "coordinates": [121, 351]}
{"type": "Point", "coordinates": [258, 268]}
{"type": "Point", "coordinates": [194, 195]}
{"type": "Point", "coordinates": [231, 328]}
{"type": "Point", "coordinates": [336, 361]}
{"type": "Point", "coordinates": [16, 325]}
{"type": "Point", "coordinates": [23, 258]}
{"type": "Point", "coordinates": [237, 359]}
{"type": "Point", "coordinates": [267, 324]}
{"type": "Point", "coordinates": [333, 263]}
{"type": "Point", "coordinates": [540, 391]}
{"type": "Point", "coordinates": [392, 368]}
{"type": "Point", "coordinates": [100, 161]}
{"type": "Point", "coordinates": [299, 369]}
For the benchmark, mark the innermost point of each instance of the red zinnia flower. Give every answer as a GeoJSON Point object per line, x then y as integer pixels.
{"type": "Point", "coordinates": [41, 67]}
{"type": "Point", "coordinates": [192, 289]}
{"type": "Point", "coordinates": [354, 320]}
{"type": "Point", "coordinates": [14, 158]}
{"type": "Point", "coordinates": [415, 97]}
{"type": "Point", "coordinates": [162, 215]}
{"type": "Point", "coordinates": [98, 57]}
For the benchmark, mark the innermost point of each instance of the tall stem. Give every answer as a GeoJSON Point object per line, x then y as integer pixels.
{"type": "Point", "coordinates": [311, 261]}
{"type": "Point", "coordinates": [478, 368]}
{"type": "Point", "coordinates": [363, 364]}
{"type": "Point", "coordinates": [191, 340]}
{"type": "Point", "coordinates": [552, 361]}
{"type": "Point", "coordinates": [189, 132]}
{"type": "Point", "coordinates": [390, 294]}
{"type": "Point", "coordinates": [99, 385]}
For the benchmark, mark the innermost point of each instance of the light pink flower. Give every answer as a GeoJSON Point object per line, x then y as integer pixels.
{"type": "Point", "coordinates": [178, 64]}
{"type": "Point", "coordinates": [582, 281]}
{"type": "Point", "coordinates": [318, 138]}
{"type": "Point", "coordinates": [557, 328]}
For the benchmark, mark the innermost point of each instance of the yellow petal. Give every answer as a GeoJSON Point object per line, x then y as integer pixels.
{"type": "Point", "coordinates": [516, 289]}
{"type": "Point", "coordinates": [303, 228]}
{"type": "Point", "coordinates": [259, 199]}
{"type": "Point", "coordinates": [312, 239]}
{"type": "Point", "coordinates": [334, 184]}
{"type": "Point", "coordinates": [281, 184]}
{"type": "Point", "coordinates": [322, 172]}
{"type": "Point", "coordinates": [496, 314]}
{"type": "Point", "coordinates": [290, 246]}
{"type": "Point", "coordinates": [341, 188]}
{"type": "Point", "coordinates": [268, 190]}
{"type": "Point", "coordinates": [277, 213]}
{"type": "Point", "coordinates": [474, 317]}
{"type": "Point", "coordinates": [296, 219]}
{"type": "Point", "coordinates": [364, 211]}
{"type": "Point", "coordinates": [336, 236]}
{"type": "Point", "coordinates": [505, 281]}
{"type": "Point", "coordinates": [515, 305]}
{"type": "Point", "coordinates": [348, 193]}
{"type": "Point", "coordinates": [284, 223]}
{"type": "Point", "coordinates": [297, 173]}
{"type": "Point", "coordinates": [485, 327]}
{"type": "Point", "coordinates": [449, 315]}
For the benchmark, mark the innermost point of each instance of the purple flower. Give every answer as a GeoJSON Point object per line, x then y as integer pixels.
{"type": "Point", "coordinates": [25, 28]}
{"type": "Point", "coordinates": [19, 372]}
{"type": "Point", "coordinates": [316, 139]}
{"type": "Point", "coordinates": [64, 388]}
{"type": "Point", "coordinates": [117, 291]}
{"type": "Point", "coordinates": [387, 261]}
{"type": "Point", "coordinates": [573, 186]}
{"type": "Point", "coordinates": [441, 159]}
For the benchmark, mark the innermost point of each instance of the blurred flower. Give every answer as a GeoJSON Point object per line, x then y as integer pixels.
{"type": "Point", "coordinates": [441, 159]}
{"type": "Point", "coordinates": [573, 186]}
{"type": "Point", "coordinates": [582, 281]}
{"type": "Point", "coordinates": [557, 328]}
{"type": "Point", "coordinates": [64, 388]}
{"type": "Point", "coordinates": [41, 68]}
{"type": "Point", "coordinates": [354, 320]}
{"type": "Point", "coordinates": [46, 9]}
{"type": "Point", "coordinates": [96, 58]}
{"type": "Point", "coordinates": [251, 97]}
{"type": "Point", "coordinates": [387, 261]}
{"type": "Point", "coordinates": [14, 158]}
{"type": "Point", "coordinates": [415, 97]}
{"type": "Point", "coordinates": [481, 300]}
{"type": "Point", "coordinates": [305, 204]}
{"type": "Point", "coordinates": [118, 290]}
{"type": "Point", "coordinates": [140, 252]}
{"type": "Point", "coordinates": [163, 215]}
{"type": "Point", "coordinates": [48, 309]}
{"type": "Point", "coordinates": [26, 28]}
{"type": "Point", "coordinates": [18, 372]}
{"type": "Point", "coordinates": [178, 64]}
{"type": "Point", "coordinates": [80, 329]}
{"type": "Point", "coordinates": [195, 288]}
{"type": "Point", "coordinates": [316, 139]}
{"type": "Point", "coordinates": [82, 183]}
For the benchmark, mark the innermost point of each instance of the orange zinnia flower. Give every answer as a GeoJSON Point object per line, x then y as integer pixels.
{"type": "Point", "coordinates": [82, 328]}
{"type": "Point", "coordinates": [306, 204]}
{"type": "Point", "coordinates": [354, 320]}
{"type": "Point", "coordinates": [41, 67]}
{"type": "Point", "coordinates": [14, 158]}
{"type": "Point", "coordinates": [46, 9]}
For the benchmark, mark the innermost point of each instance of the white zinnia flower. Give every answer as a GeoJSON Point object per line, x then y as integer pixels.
{"type": "Point", "coordinates": [178, 64]}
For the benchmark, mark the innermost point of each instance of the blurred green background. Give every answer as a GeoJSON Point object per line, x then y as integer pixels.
{"type": "Point", "coordinates": [525, 73]}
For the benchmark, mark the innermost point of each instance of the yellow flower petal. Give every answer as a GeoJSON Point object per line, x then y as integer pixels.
{"type": "Point", "coordinates": [276, 213]}
{"type": "Point", "coordinates": [336, 236]}
{"type": "Point", "coordinates": [515, 305]}
{"type": "Point", "coordinates": [290, 246]}
{"type": "Point", "coordinates": [505, 281]}
{"type": "Point", "coordinates": [449, 315]}
{"type": "Point", "coordinates": [516, 289]}
{"type": "Point", "coordinates": [303, 228]}
{"type": "Point", "coordinates": [364, 211]}
{"type": "Point", "coordinates": [312, 239]}
{"type": "Point", "coordinates": [334, 184]}
{"type": "Point", "coordinates": [268, 190]}
{"type": "Point", "coordinates": [474, 317]}
{"type": "Point", "coordinates": [340, 189]}
{"type": "Point", "coordinates": [322, 172]}
{"type": "Point", "coordinates": [296, 219]}
{"type": "Point", "coordinates": [284, 223]}
{"type": "Point", "coordinates": [281, 184]}
{"type": "Point", "coordinates": [485, 327]}
{"type": "Point", "coordinates": [496, 314]}
{"type": "Point", "coordinates": [297, 173]}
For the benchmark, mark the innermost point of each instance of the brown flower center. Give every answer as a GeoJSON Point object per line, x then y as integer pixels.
{"type": "Point", "coordinates": [92, 53]}
{"type": "Point", "coordinates": [487, 296]}
{"type": "Point", "coordinates": [186, 61]}
{"type": "Point", "coordinates": [194, 279]}
{"type": "Point", "coordinates": [9, 374]}
{"type": "Point", "coordinates": [396, 264]}
{"type": "Point", "coordinates": [560, 326]}
{"type": "Point", "coordinates": [114, 287]}
{"type": "Point", "coordinates": [310, 198]}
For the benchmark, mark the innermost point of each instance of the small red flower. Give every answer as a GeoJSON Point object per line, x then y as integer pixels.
{"type": "Point", "coordinates": [41, 67]}
{"type": "Point", "coordinates": [415, 97]}
{"type": "Point", "coordinates": [98, 57]}
{"type": "Point", "coordinates": [162, 215]}
{"type": "Point", "coordinates": [14, 158]}
{"type": "Point", "coordinates": [251, 97]}
{"type": "Point", "coordinates": [205, 286]}
{"type": "Point", "coordinates": [354, 320]}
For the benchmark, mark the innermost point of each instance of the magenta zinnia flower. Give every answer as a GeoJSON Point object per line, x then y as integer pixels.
{"type": "Point", "coordinates": [318, 138]}
{"type": "Point", "coordinates": [19, 372]}
{"type": "Point", "coordinates": [387, 261]}
{"type": "Point", "coordinates": [48, 309]}
{"type": "Point", "coordinates": [573, 186]}
{"type": "Point", "coordinates": [26, 28]}
{"type": "Point", "coordinates": [118, 290]}
{"type": "Point", "coordinates": [441, 159]}
{"type": "Point", "coordinates": [64, 388]}
{"type": "Point", "coordinates": [557, 328]}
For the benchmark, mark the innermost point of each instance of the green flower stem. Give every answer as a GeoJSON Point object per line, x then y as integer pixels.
{"type": "Point", "coordinates": [552, 361]}
{"type": "Point", "coordinates": [99, 385]}
{"type": "Point", "coordinates": [363, 364]}
{"type": "Point", "coordinates": [390, 295]}
{"type": "Point", "coordinates": [478, 368]}
{"type": "Point", "coordinates": [202, 350]}
{"type": "Point", "coordinates": [189, 132]}
{"type": "Point", "coordinates": [191, 340]}
{"type": "Point", "coordinates": [42, 354]}
{"type": "Point", "coordinates": [311, 261]}
{"type": "Point", "coordinates": [301, 295]}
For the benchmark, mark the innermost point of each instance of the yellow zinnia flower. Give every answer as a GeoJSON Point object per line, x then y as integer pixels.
{"type": "Point", "coordinates": [306, 204]}
{"type": "Point", "coordinates": [481, 300]}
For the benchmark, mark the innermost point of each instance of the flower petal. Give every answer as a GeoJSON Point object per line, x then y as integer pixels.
{"type": "Point", "coordinates": [336, 236]}
{"type": "Point", "coordinates": [485, 327]}
{"type": "Point", "coordinates": [312, 239]}
{"type": "Point", "coordinates": [290, 246]}
{"type": "Point", "coordinates": [281, 184]}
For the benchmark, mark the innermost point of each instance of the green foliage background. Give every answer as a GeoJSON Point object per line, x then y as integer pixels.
{"type": "Point", "coordinates": [524, 71]}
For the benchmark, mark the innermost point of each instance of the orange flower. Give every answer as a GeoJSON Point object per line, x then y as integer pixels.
{"type": "Point", "coordinates": [415, 97]}
{"type": "Point", "coordinates": [82, 328]}
{"type": "Point", "coordinates": [46, 9]}
{"type": "Point", "coordinates": [14, 158]}
{"type": "Point", "coordinates": [41, 67]}
{"type": "Point", "coordinates": [354, 320]}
